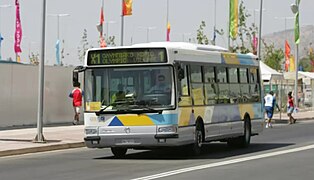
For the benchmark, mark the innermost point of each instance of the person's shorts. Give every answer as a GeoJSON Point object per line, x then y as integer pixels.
{"type": "Point", "coordinates": [290, 110]}
{"type": "Point", "coordinates": [269, 111]}
{"type": "Point", "coordinates": [77, 109]}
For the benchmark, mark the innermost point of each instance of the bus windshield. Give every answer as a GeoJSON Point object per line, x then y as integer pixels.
{"type": "Point", "coordinates": [129, 87]}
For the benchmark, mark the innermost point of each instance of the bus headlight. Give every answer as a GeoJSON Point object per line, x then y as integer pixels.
{"type": "Point", "coordinates": [167, 129]}
{"type": "Point", "coordinates": [91, 131]}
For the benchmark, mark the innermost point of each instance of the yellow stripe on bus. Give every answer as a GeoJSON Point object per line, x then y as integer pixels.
{"type": "Point", "coordinates": [135, 120]}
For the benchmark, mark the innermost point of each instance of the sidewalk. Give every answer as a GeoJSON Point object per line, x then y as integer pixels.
{"type": "Point", "coordinates": [299, 116]}
{"type": "Point", "coordinates": [20, 141]}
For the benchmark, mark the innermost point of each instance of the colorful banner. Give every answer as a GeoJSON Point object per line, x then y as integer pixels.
{"type": "Point", "coordinates": [58, 52]}
{"type": "Point", "coordinates": [101, 24]}
{"type": "Point", "coordinates": [296, 25]}
{"type": "Point", "coordinates": [255, 44]}
{"type": "Point", "coordinates": [233, 18]}
{"type": "Point", "coordinates": [127, 7]}
{"type": "Point", "coordinates": [102, 18]}
{"type": "Point", "coordinates": [1, 39]}
{"type": "Point", "coordinates": [168, 31]}
{"type": "Point", "coordinates": [287, 56]}
{"type": "Point", "coordinates": [292, 65]}
{"type": "Point", "coordinates": [18, 29]}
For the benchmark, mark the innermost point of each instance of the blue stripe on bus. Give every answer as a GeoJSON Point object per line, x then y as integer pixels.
{"type": "Point", "coordinates": [164, 119]}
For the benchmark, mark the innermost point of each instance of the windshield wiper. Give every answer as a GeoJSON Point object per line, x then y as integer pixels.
{"type": "Point", "coordinates": [101, 111]}
{"type": "Point", "coordinates": [134, 109]}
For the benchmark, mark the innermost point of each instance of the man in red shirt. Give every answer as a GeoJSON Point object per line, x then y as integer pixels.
{"type": "Point", "coordinates": [76, 95]}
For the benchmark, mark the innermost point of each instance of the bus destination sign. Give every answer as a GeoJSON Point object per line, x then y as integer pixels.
{"type": "Point", "coordinates": [126, 56]}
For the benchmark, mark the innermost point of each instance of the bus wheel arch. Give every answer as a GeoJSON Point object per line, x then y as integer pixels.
{"type": "Point", "coordinates": [244, 140]}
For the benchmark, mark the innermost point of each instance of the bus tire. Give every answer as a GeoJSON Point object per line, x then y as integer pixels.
{"type": "Point", "coordinates": [119, 152]}
{"type": "Point", "coordinates": [198, 139]}
{"type": "Point", "coordinates": [245, 140]}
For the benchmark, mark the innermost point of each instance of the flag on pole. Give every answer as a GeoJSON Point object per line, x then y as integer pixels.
{"type": "Point", "coordinates": [214, 37]}
{"type": "Point", "coordinates": [100, 27]}
{"type": "Point", "coordinates": [1, 39]}
{"type": "Point", "coordinates": [233, 18]}
{"type": "Point", "coordinates": [127, 7]}
{"type": "Point", "coordinates": [292, 65]}
{"type": "Point", "coordinates": [296, 25]}
{"type": "Point", "coordinates": [287, 56]}
{"type": "Point", "coordinates": [58, 52]}
{"type": "Point", "coordinates": [102, 19]}
{"type": "Point", "coordinates": [255, 44]}
{"type": "Point", "coordinates": [18, 29]}
{"type": "Point", "coordinates": [297, 29]}
{"type": "Point", "coordinates": [168, 31]}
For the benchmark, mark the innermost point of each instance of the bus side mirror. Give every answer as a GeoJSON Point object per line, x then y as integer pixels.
{"type": "Point", "coordinates": [180, 73]}
{"type": "Point", "coordinates": [75, 74]}
{"type": "Point", "coordinates": [75, 78]}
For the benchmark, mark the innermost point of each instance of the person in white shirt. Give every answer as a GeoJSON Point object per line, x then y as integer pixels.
{"type": "Point", "coordinates": [269, 103]}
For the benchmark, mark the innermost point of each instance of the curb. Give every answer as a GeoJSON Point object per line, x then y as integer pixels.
{"type": "Point", "coordinates": [41, 149]}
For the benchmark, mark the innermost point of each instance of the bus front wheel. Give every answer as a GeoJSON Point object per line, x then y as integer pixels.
{"type": "Point", "coordinates": [118, 152]}
{"type": "Point", "coordinates": [198, 139]}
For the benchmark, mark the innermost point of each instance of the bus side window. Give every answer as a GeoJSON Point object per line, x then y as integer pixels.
{"type": "Point", "coordinates": [184, 92]}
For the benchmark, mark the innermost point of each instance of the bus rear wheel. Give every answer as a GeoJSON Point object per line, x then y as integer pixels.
{"type": "Point", "coordinates": [119, 152]}
{"type": "Point", "coordinates": [245, 140]}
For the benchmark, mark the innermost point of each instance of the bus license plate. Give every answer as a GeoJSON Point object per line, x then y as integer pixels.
{"type": "Point", "coordinates": [127, 141]}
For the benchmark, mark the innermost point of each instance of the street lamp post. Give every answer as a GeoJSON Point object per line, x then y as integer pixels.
{"type": "Point", "coordinates": [2, 6]}
{"type": "Point", "coordinates": [295, 9]}
{"type": "Point", "coordinates": [40, 111]}
{"type": "Point", "coordinates": [285, 18]}
{"type": "Point", "coordinates": [107, 28]}
{"type": "Point", "coordinates": [260, 30]}
{"type": "Point", "coordinates": [58, 31]}
{"type": "Point", "coordinates": [147, 31]}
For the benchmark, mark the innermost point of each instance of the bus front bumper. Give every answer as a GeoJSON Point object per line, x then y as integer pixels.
{"type": "Point", "coordinates": [131, 141]}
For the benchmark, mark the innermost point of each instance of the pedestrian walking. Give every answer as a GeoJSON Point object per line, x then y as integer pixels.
{"type": "Point", "coordinates": [76, 96]}
{"type": "Point", "coordinates": [290, 108]}
{"type": "Point", "coordinates": [270, 103]}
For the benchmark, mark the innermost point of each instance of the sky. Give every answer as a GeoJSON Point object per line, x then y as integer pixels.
{"type": "Point", "coordinates": [185, 16]}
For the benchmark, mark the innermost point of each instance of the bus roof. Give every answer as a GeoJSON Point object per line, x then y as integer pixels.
{"type": "Point", "coordinates": [182, 45]}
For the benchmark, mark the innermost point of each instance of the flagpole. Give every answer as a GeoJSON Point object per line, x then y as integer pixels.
{"type": "Point", "coordinates": [167, 19]}
{"type": "Point", "coordinates": [214, 38]}
{"type": "Point", "coordinates": [122, 25]}
{"type": "Point", "coordinates": [260, 31]}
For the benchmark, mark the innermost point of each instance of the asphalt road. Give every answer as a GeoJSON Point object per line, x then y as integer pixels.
{"type": "Point", "coordinates": [283, 152]}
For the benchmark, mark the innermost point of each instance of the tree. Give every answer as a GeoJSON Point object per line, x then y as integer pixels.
{"type": "Point", "coordinates": [111, 41]}
{"type": "Point", "coordinates": [34, 59]}
{"type": "Point", "coordinates": [201, 37]}
{"type": "Point", "coordinates": [273, 57]}
{"type": "Point", "coordinates": [83, 46]}
{"type": "Point", "coordinates": [307, 62]}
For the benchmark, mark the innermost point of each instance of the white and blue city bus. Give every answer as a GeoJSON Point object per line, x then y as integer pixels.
{"type": "Point", "coordinates": [213, 95]}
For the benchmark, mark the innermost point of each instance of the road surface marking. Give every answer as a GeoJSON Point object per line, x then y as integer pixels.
{"type": "Point", "coordinates": [223, 163]}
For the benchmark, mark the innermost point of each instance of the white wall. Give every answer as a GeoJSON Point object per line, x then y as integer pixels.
{"type": "Point", "coordinates": [19, 95]}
